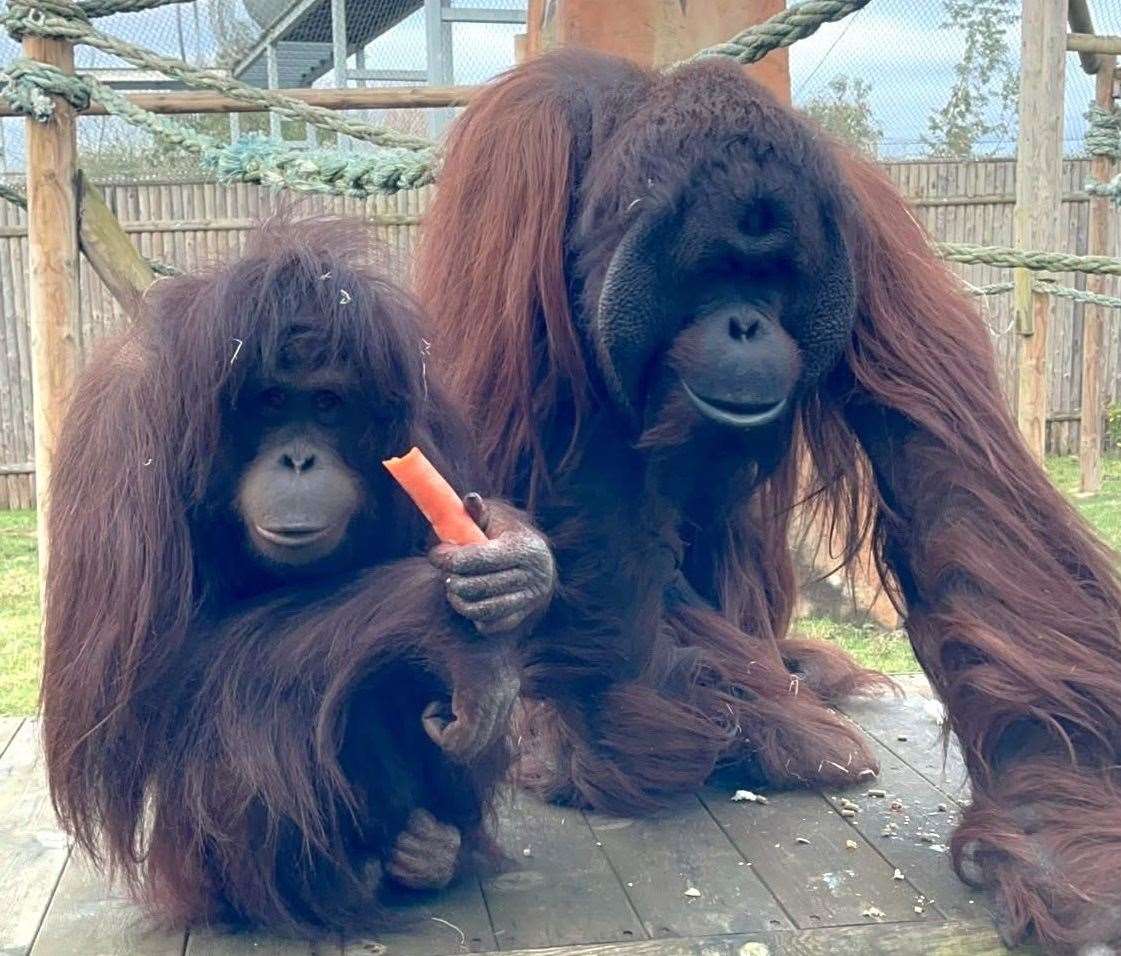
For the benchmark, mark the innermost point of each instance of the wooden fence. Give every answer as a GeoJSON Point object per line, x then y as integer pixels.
{"type": "Point", "coordinates": [189, 223]}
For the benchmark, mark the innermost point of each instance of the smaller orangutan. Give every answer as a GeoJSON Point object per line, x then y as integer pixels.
{"type": "Point", "coordinates": [260, 708]}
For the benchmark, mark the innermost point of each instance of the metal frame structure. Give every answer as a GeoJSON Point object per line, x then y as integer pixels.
{"type": "Point", "coordinates": [312, 38]}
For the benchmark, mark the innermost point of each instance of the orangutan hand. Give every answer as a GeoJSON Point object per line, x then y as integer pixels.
{"type": "Point", "coordinates": [506, 583]}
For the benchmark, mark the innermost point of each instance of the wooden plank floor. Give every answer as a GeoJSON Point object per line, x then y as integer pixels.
{"type": "Point", "coordinates": [712, 877]}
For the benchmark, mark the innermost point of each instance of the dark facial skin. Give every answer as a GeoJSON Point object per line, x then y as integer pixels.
{"type": "Point", "coordinates": [730, 301]}
{"type": "Point", "coordinates": [735, 363]}
{"type": "Point", "coordinates": [299, 496]}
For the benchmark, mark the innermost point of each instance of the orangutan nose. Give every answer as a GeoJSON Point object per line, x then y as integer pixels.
{"type": "Point", "coordinates": [297, 461]}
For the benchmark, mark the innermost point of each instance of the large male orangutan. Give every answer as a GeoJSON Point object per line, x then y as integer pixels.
{"type": "Point", "coordinates": [676, 308]}
{"type": "Point", "coordinates": [259, 707]}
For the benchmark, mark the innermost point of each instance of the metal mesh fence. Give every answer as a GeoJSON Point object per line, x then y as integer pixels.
{"type": "Point", "coordinates": [903, 78]}
{"type": "Point", "coordinates": [386, 47]}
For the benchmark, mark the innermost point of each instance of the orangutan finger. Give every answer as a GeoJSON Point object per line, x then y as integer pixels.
{"type": "Point", "coordinates": [476, 507]}
{"type": "Point", "coordinates": [495, 555]}
{"type": "Point", "coordinates": [477, 587]}
{"type": "Point", "coordinates": [491, 609]}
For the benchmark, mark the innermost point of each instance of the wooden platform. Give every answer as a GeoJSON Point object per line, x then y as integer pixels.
{"type": "Point", "coordinates": [713, 878]}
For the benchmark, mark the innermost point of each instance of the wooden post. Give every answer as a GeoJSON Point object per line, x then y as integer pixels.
{"type": "Point", "coordinates": [656, 32]}
{"type": "Point", "coordinates": [52, 239]}
{"type": "Point", "coordinates": [1039, 163]}
{"type": "Point", "coordinates": [178, 102]}
{"type": "Point", "coordinates": [1093, 316]}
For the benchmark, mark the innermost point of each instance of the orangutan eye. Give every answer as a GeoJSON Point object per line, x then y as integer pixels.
{"type": "Point", "coordinates": [327, 401]}
{"type": "Point", "coordinates": [274, 398]}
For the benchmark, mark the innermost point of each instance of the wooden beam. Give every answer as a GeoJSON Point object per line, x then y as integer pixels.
{"type": "Point", "coordinates": [110, 252]}
{"type": "Point", "coordinates": [1093, 43]}
{"type": "Point", "coordinates": [1078, 16]}
{"type": "Point", "coordinates": [1100, 243]}
{"type": "Point", "coordinates": [52, 216]}
{"type": "Point", "coordinates": [1035, 223]}
{"type": "Point", "coordinates": [164, 226]}
{"type": "Point", "coordinates": [988, 199]}
{"type": "Point", "coordinates": [176, 102]}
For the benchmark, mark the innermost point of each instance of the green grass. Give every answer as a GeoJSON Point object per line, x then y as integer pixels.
{"type": "Point", "coordinates": [883, 650]}
{"type": "Point", "coordinates": [887, 651]}
{"type": "Point", "coordinates": [1102, 510]}
{"type": "Point", "coordinates": [890, 651]}
{"type": "Point", "coordinates": [19, 613]}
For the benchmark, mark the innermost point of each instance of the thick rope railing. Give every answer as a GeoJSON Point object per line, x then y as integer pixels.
{"type": "Point", "coordinates": [1049, 288]}
{"type": "Point", "coordinates": [1103, 138]}
{"type": "Point", "coordinates": [252, 159]}
{"type": "Point", "coordinates": [107, 8]}
{"type": "Point", "coordinates": [783, 29]}
{"type": "Point", "coordinates": [1009, 258]}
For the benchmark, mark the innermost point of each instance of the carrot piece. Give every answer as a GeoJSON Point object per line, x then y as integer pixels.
{"type": "Point", "coordinates": [435, 498]}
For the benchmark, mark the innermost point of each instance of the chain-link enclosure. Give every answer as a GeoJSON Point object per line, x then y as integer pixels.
{"type": "Point", "coordinates": [283, 44]}
{"type": "Point", "coordinates": [931, 79]}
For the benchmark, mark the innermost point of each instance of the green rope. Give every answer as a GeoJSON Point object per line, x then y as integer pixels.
{"type": "Point", "coordinates": [257, 159]}
{"type": "Point", "coordinates": [1103, 138]}
{"type": "Point", "coordinates": [85, 10]}
{"type": "Point", "coordinates": [38, 17]}
{"type": "Point", "coordinates": [997, 288]}
{"type": "Point", "coordinates": [783, 29]}
{"type": "Point", "coordinates": [1103, 134]}
{"type": "Point", "coordinates": [107, 8]}
{"type": "Point", "coordinates": [1079, 295]}
{"type": "Point", "coordinates": [253, 158]}
{"type": "Point", "coordinates": [1111, 189]}
{"type": "Point", "coordinates": [28, 85]}
{"type": "Point", "coordinates": [13, 195]}
{"type": "Point", "coordinates": [1026, 259]}
{"type": "Point", "coordinates": [1048, 288]}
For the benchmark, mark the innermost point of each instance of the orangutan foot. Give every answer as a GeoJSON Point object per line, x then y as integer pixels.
{"type": "Point", "coordinates": [1046, 839]}
{"type": "Point", "coordinates": [426, 854]}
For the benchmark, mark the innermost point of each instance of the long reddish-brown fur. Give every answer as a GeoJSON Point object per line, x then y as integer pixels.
{"type": "Point", "coordinates": [1013, 606]}
{"type": "Point", "coordinates": [248, 756]}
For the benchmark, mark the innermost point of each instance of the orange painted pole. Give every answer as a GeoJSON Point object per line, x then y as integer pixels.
{"type": "Point", "coordinates": [656, 32]}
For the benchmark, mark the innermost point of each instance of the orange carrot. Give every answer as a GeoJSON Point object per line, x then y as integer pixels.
{"type": "Point", "coordinates": [435, 498]}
